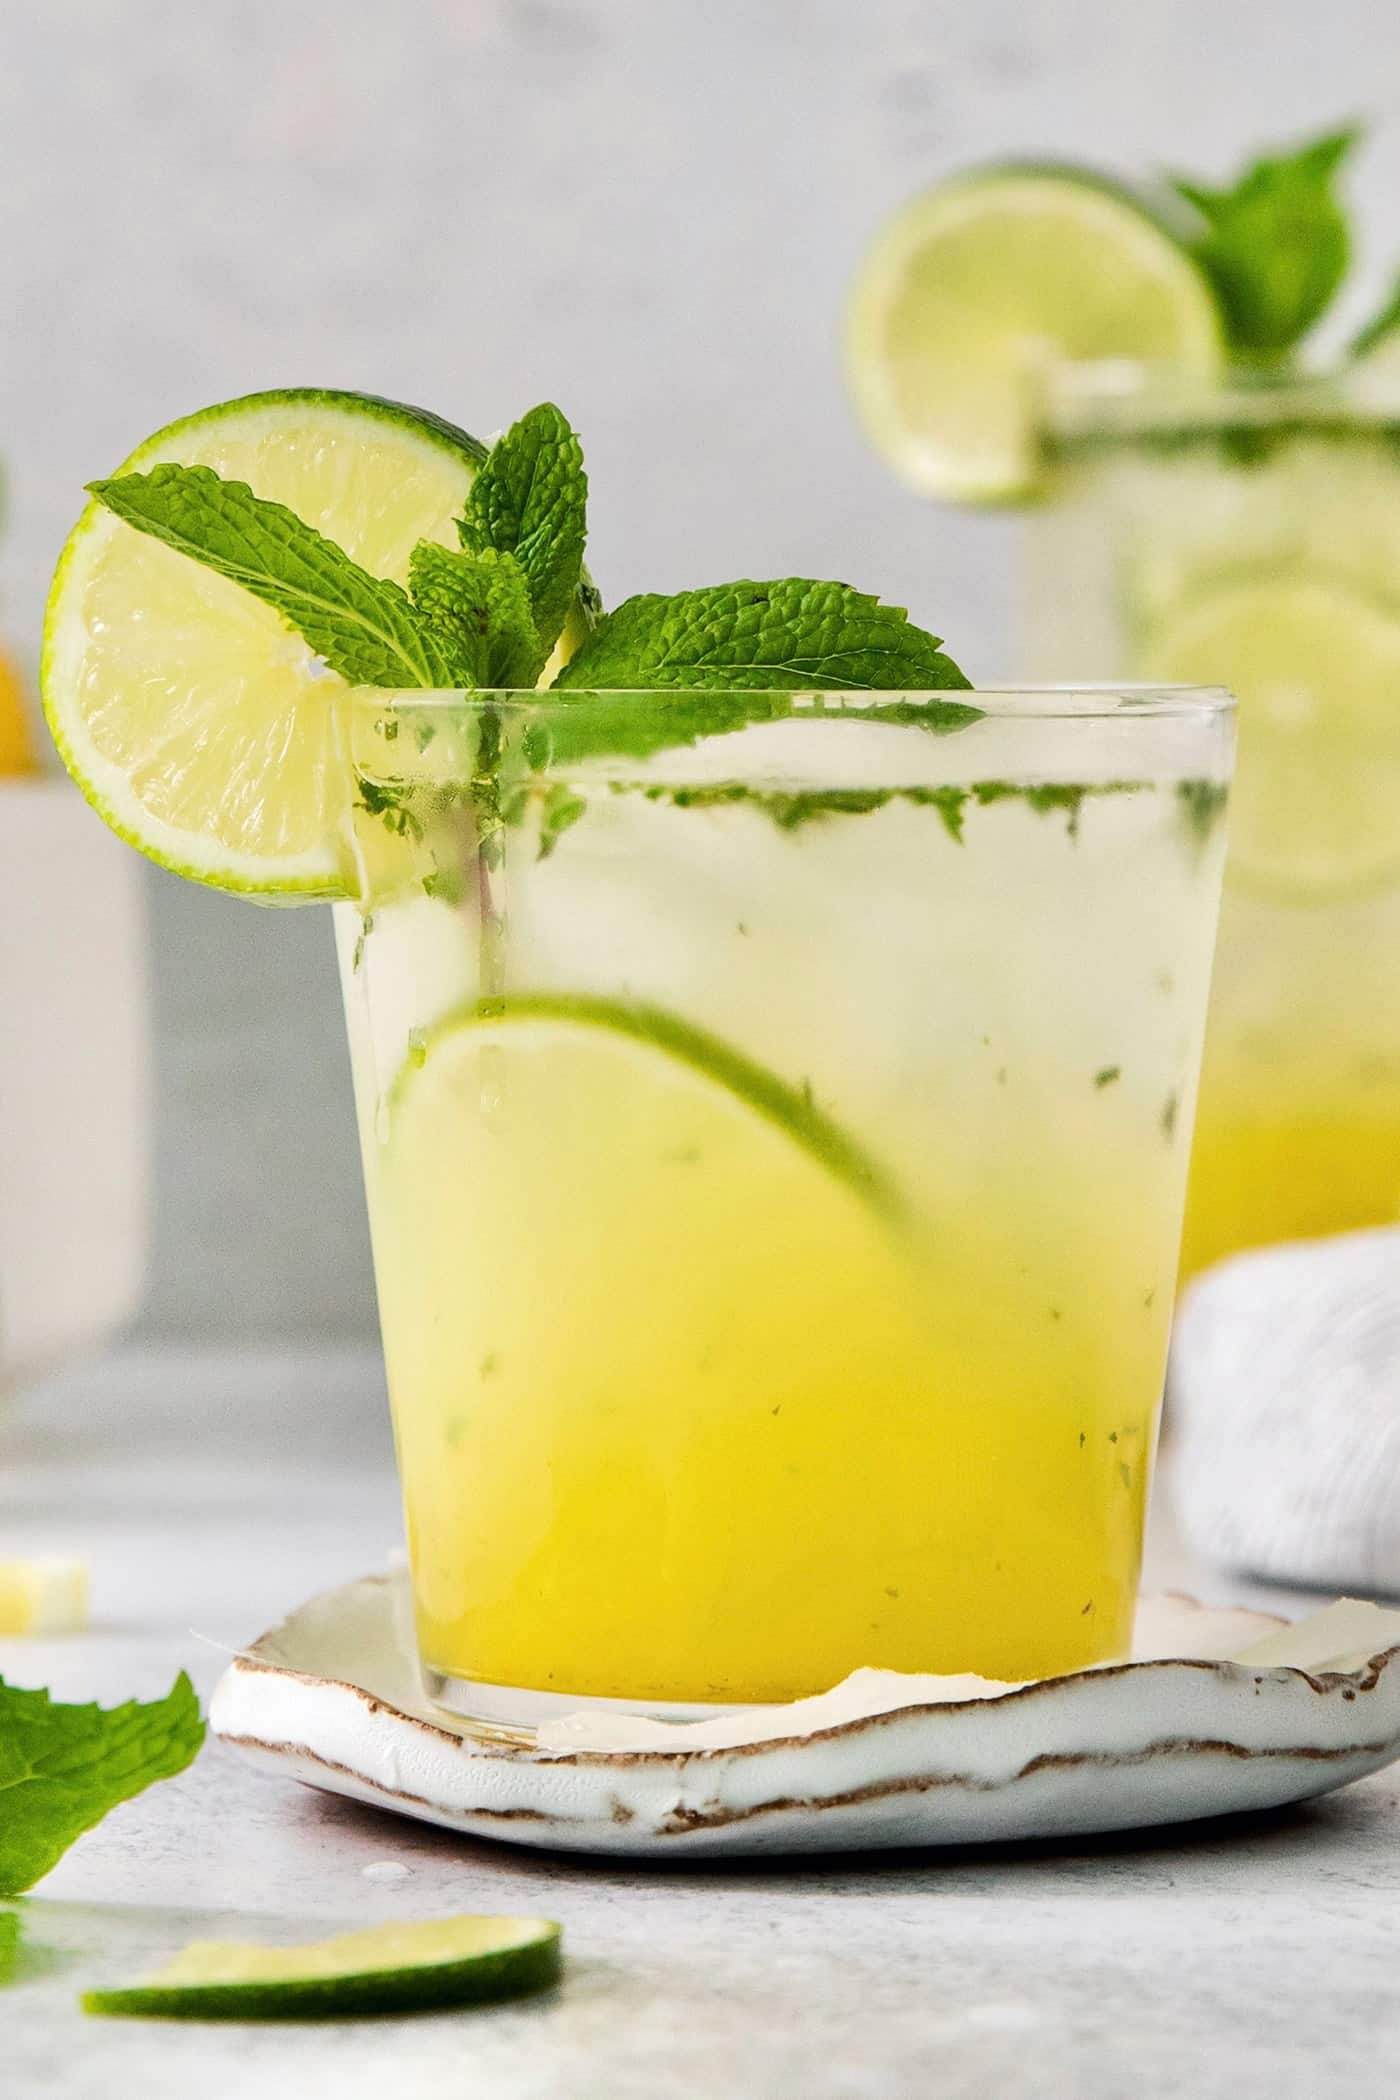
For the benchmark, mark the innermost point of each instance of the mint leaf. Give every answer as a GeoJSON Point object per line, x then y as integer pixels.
{"type": "Point", "coordinates": [364, 627]}
{"type": "Point", "coordinates": [63, 1767]}
{"type": "Point", "coordinates": [575, 725]}
{"type": "Point", "coordinates": [9, 1944]}
{"type": "Point", "coordinates": [480, 605]}
{"type": "Point", "coordinates": [571, 726]}
{"type": "Point", "coordinates": [530, 499]}
{"type": "Point", "coordinates": [1383, 324]}
{"type": "Point", "coordinates": [562, 807]}
{"type": "Point", "coordinates": [1275, 246]}
{"type": "Point", "coordinates": [791, 634]}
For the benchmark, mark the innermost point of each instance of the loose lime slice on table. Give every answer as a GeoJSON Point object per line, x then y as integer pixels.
{"type": "Point", "coordinates": [1315, 665]}
{"type": "Point", "coordinates": [194, 720]}
{"type": "Point", "coordinates": [389, 1969]}
{"type": "Point", "coordinates": [975, 288]}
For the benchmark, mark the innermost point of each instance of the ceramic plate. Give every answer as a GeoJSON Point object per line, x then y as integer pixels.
{"type": "Point", "coordinates": [1223, 1711]}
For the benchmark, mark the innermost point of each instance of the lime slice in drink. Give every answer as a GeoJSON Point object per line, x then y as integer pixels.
{"type": "Point", "coordinates": [974, 289]}
{"type": "Point", "coordinates": [389, 1969]}
{"type": "Point", "coordinates": [644, 1055]}
{"type": "Point", "coordinates": [193, 719]}
{"type": "Point", "coordinates": [1316, 667]}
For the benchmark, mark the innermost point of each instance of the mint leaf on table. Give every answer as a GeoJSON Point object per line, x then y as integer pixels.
{"type": "Point", "coordinates": [530, 500]}
{"type": "Point", "coordinates": [9, 1943]}
{"type": "Point", "coordinates": [63, 1767]}
{"type": "Point", "coordinates": [1276, 245]}
{"type": "Point", "coordinates": [1381, 325]}
{"type": "Point", "coordinates": [364, 627]}
{"type": "Point", "coordinates": [792, 634]}
{"type": "Point", "coordinates": [480, 604]}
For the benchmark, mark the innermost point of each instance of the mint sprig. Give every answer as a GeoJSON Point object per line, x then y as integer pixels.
{"type": "Point", "coordinates": [489, 614]}
{"type": "Point", "coordinates": [63, 1767]}
{"type": "Point", "coordinates": [792, 633]}
{"type": "Point", "coordinates": [364, 627]}
{"type": "Point", "coordinates": [530, 501]}
{"type": "Point", "coordinates": [1275, 244]}
{"type": "Point", "coordinates": [479, 604]}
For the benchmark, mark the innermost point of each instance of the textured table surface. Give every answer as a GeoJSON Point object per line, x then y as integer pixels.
{"type": "Point", "coordinates": [1259, 1959]}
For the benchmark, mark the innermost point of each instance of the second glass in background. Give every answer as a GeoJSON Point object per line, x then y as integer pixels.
{"type": "Point", "coordinates": [1251, 536]}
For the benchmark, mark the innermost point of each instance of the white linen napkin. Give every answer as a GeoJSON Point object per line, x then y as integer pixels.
{"type": "Point", "coordinates": [1284, 1413]}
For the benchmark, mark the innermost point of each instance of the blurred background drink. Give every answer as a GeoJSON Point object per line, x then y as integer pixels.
{"type": "Point", "coordinates": [1127, 364]}
{"type": "Point", "coordinates": [1250, 532]}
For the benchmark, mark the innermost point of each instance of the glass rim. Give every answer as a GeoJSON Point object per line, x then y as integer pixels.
{"type": "Point", "coordinates": [1119, 397]}
{"type": "Point", "coordinates": [1068, 701]}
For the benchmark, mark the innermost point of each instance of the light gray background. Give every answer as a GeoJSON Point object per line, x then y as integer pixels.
{"type": "Point", "coordinates": [647, 209]}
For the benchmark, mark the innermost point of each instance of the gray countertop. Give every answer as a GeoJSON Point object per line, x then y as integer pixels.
{"type": "Point", "coordinates": [213, 1492]}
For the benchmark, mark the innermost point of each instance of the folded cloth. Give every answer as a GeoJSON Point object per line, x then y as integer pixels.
{"type": "Point", "coordinates": [1284, 1412]}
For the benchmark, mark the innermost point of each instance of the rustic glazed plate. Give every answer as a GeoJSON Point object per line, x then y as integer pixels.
{"type": "Point", "coordinates": [1224, 1711]}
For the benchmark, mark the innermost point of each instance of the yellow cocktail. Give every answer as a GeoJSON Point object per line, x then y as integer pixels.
{"type": "Point", "coordinates": [776, 1182]}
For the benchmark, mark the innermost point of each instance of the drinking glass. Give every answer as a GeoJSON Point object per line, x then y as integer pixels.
{"type": "Point", "coordinates": [775, 1112]}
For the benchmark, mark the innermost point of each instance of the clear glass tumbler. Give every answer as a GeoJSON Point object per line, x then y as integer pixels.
{"type": "Point", "coordinates": [1251, 534]}
{"type": "Point", "coordinates": [775, 1113]}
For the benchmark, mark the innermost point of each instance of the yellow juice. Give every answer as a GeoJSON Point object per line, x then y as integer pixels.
{"type": "Point", "coordinates": [775, 1270]}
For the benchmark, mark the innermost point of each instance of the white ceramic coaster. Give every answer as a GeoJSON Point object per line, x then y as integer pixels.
{"type": "Point", "coordinates": [331, 1698]}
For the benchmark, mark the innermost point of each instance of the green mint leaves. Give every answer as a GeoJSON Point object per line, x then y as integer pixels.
{"type": "Point", "coordinates": [63, 1767]}
{"type": "Point", "coordinates": [574, 724]}
{"type": "Point", "coordinates": [487, 615]}
{"type": "Point", "coordinates": [362, 626]}
{"type": "Point", "coordinates": [790, 634]}
{"type": "Point", "coordinates": [1276, 245]}
{"type": "Point", "coordinates": [530, 502]}
{"type": "Point", "coordinates": [762, 642]}
{"type": "Point", "coordinates": [501, 603]}
{"type": "Point", "coordinates": [479, 604]}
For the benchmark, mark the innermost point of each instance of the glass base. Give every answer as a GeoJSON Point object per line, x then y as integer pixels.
{"type": "Point", "coordinates": [509, 1714]}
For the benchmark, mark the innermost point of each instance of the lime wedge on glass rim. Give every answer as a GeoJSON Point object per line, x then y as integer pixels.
{"type": "Point", "coordinates": [388, 1969]}
{"type": "Point", "coordinates": [976, 287]}
{"type": "Point", "coordinates": [193, 719]}
{"type": "Point", "coordinates": [1315, 663]}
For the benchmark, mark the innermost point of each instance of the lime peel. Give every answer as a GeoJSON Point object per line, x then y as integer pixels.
{"type": "Point", "coordinates": [436, 1962]}
{"type": "Point", "coordinates": [790, 1109]}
